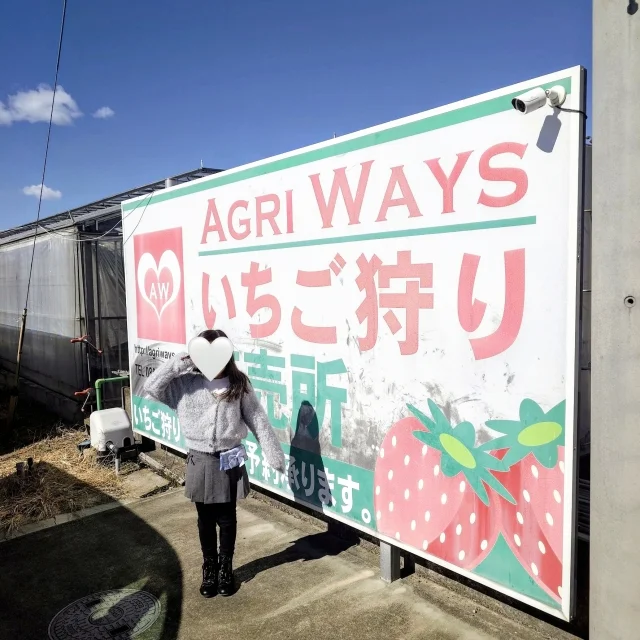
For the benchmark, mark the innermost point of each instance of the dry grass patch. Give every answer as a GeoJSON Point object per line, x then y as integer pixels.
{"type": "Point", "coordinates": [62, 480]}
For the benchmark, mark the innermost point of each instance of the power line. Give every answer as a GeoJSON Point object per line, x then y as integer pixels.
{"type": "Point", "coordinates": [137, 224]}
{"type": "Point", "coordinates": [106, 233]}
{"type": "Point", "coordinates": [13, 401]}
{"type": "Point", "coordinates": [46, 151]}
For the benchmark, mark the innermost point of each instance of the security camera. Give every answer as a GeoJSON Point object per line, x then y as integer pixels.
{"type": "Point", "coordinates": [538, 98]}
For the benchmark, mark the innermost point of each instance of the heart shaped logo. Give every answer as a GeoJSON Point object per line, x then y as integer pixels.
{"type": "Point", "coordinates": [159, 283]}
{"type": "Point", "coordinates": [211, 357]}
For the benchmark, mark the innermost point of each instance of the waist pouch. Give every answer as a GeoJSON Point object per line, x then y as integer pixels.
{"type": "Point", "coordinates": [233, 458]}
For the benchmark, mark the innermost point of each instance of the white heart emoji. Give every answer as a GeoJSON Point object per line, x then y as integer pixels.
{"type": "Point", "coordinates": [211, 357]}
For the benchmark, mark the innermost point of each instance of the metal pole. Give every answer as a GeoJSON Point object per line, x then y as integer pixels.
{"type": "Point", "coordinates": [13, 401]}
{"type": "Point", "coordinates": [615, 349]}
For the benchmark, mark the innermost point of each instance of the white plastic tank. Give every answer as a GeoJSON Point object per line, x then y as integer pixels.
{"type": "Point", "coordinates": [110, 425]}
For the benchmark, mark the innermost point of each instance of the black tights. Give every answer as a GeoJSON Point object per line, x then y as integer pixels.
{"type": "Point", "coordinates": [221, 515]}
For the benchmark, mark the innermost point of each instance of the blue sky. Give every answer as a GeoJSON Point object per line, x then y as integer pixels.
{"type": "Point", "coordinates": [232, 82]}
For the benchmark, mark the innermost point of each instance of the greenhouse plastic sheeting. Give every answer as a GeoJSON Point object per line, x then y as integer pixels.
{"type": "Point", "coordinates": [48, 357]}
{"type": "Point", "coordinates": [107, 313]}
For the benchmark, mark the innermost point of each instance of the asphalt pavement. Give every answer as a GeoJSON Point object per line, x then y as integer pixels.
{"type": "Point", "coordinates": [134, 572]}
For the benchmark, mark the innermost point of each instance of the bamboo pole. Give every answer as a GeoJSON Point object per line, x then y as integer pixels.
{"type": "Point", "coordinates": [13, 401]}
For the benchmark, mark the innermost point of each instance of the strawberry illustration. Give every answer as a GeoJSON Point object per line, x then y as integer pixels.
{"type": "Point", "coordinates": [430, 488]}
{"type": "Point", "coordinates": [533, 449]}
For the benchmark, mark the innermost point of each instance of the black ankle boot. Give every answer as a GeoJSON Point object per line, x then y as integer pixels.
{"type": "Point", "coordinates": [226, 586]}
{"type": "Point", "coordinates": [209, 586]}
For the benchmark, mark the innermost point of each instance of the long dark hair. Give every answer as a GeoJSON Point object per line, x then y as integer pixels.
{"type": "Point", "coordinates": [238, 381]}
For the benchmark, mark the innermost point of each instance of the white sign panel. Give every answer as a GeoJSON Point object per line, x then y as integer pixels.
{"type": "Point", "coordinates": [404, 301]}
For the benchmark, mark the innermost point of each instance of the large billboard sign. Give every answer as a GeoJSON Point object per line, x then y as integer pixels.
{"type": "Point", "coordinates": [404, 300]}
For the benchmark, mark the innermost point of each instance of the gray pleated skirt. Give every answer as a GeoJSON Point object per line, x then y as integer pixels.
{"type": "Point", "coordinates": [206, 482]}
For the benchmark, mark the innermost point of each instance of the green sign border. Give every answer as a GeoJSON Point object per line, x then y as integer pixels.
{"type": "Point", "coordinates": [475, 111]}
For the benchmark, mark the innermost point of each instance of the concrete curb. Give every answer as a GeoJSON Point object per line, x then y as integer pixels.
{"type": "Point", "coordinates": [63, 518]}
{"type": "Point", "coordinates": [160, 468]}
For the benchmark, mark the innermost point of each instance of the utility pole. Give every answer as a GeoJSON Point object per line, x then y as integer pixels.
{"type": "Point", "coordinates": [615, 349]}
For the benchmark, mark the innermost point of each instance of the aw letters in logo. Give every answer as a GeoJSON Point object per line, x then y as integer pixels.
{"type": "Point", "coordinates": [160, 286]}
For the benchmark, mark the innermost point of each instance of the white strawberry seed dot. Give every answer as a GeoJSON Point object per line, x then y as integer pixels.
{"type": "Point", "coordinates": [442, 537]}
{"type": "Point", "coordinates": [534, 569]}
{"type": "Point", "coordinates": [397, 536]}
{"type": "Point", "coordinates": [561, 464]}
{"type": "Point", "coordinates": [519, 518]}
{"type": "Point", "coordinates": [534, 471]}
{"type": "Point", "coordinates": [458, 529]}
{"type": "Point", "coordinates": [472, 518]}
{"type": "Point", "coordinates": [484, 544]}
{"type": "Point", "coordinates": [427, 516]}
{"type": "Point", "coordinates": [461, 556]}
{"type": "Point", "coordinates": [378, 515]}
{"type": "Point", "coordinates": [421, 485]}
{"type": "Point", "coordinates": [382, 453]}
{"type": "Point", "coordinates": [406, 461]}
{"type": "Point", "coordinates": [406, 494]}
{"type": "Point", "coordinates": [413, 525]}
{"type": "Point", "coordinates": [516, 538]}
{"type": "Point", "coordinates": [394, 441]}
{"type": "Point", "coordinates": [424, 450]}
{"type": "Point", "coordinates": [463, 486]}
{"type": "Point", "coordinates": [425, 545]}
{"type": "Point", "coordinates": [542, 547]}
{"type": "Point", "coordinates": [443, 498]}
{"type": "Point", "coordinates": [549, 518]}
{"type": "Point", "coordinates": [436, 470]}
{"type": "Point", "coordinates": [391, 506]}
{"type": "Point", "coordinates": [378, 490]}
{"type": "Point", "coordinates": [390, 474]}
{"type": "Point", "coordinates": [557, 497]}
{"type": "Point", "coordinates": [525, 493]}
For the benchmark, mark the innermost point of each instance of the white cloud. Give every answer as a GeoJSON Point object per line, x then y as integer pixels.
{"type": "Point", "coordinates": [47, 193]}
{"type": "Point", "coordinates": [5, 115]}
{"type": "Point", "coordinates": [35, 106]}
{"type": "Point", "coordinates": [104, 112]}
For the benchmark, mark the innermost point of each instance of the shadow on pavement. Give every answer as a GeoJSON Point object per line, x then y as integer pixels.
{"type": "Point", "coordinates": [73, 570]}
{"type": "Point", "coordinates": [311, 547]}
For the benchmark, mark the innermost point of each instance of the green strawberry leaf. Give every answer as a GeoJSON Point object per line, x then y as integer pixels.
{"type": "Point", "coordinates": [449, 466]}
{"type": "Point", "coordinates": [466, 433]}
{"type": "Point", "coordinates": [427, 422]}
{"type": "Point", "coordinates": [502, 442]}
{"type": "Point", "coordinates": [478, 487]}
{"type": "Point", "coordinates": [458, 453]}
{"type": "Point", "coordinates": [491, 462]}
{"type": "Point", "coordinates": [537, 432]}
{"type": "Point", "coordinates": [441, 422]}
{"type": "Point", "coordinates": [547, 456]}
{"type": "Point", "coordinates": [510, 428]}
{"type": "Point", "coordinates": [530, 412]}
{"type": "Point", "coordinates": [497, 486]}
{"type": "Point", "coordinates": [428, 438]}
{"type": "Point", "coordinates": [557, 413]}
{"type": "Point", "coordinates": [513, 456]}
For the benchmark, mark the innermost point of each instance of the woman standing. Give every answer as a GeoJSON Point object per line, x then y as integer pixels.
{"type": "Point", "coordinates": [215, 417]}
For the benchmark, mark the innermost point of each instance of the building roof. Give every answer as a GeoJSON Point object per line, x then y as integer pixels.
{"type": "Point", "coordinates": [95, 211]}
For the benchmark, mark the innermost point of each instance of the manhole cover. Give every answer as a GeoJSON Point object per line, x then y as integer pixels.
{"type": "Point", "coordinates": [119, 614]}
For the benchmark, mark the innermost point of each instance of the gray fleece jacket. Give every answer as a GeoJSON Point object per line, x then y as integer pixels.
{"type": "Point", "coordinates": [209, 424]}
